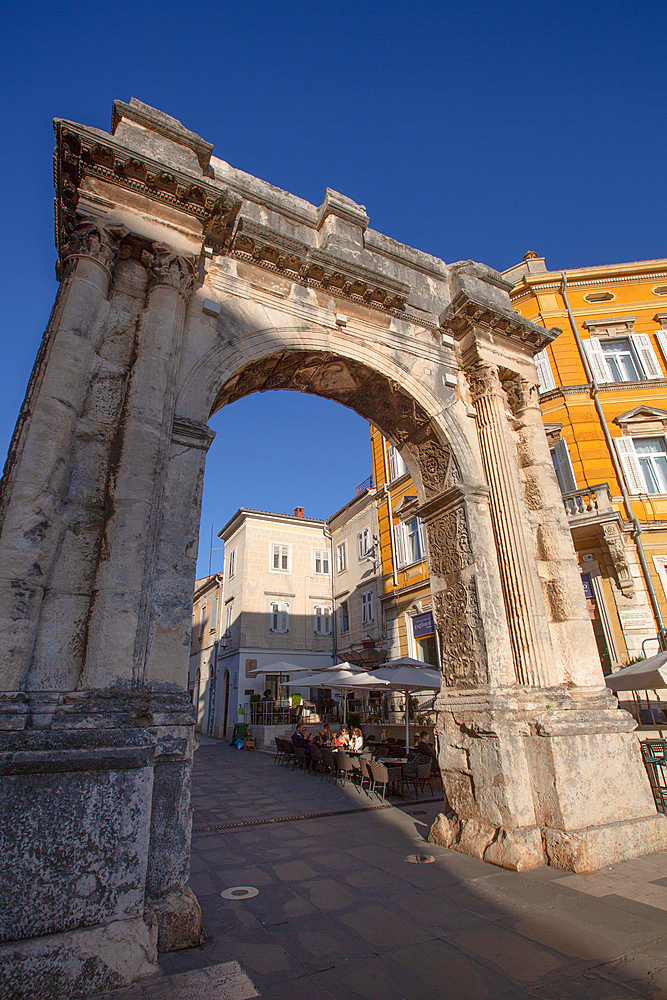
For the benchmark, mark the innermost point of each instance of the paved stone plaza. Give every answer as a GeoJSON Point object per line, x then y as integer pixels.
{"type": "Point", "coordinates": [341, 914]}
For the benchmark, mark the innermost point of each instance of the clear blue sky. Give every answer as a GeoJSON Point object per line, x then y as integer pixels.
{"type": "Point", "coordinates": [467, 129]}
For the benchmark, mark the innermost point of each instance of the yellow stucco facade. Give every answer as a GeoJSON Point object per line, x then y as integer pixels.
{"type": "Point", "coordinates": [405, 588]}
{"type": "Point", "coordinates": [603, 396]}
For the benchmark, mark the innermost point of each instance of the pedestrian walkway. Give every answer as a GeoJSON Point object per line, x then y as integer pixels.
{"type": "Point", "coordinates": [342, 913]}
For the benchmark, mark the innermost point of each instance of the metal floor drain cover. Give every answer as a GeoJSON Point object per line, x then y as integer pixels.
{"type": "Point", "coordinates": [420, 859]}
{"type": "Point", "coordinates": [239, 892]}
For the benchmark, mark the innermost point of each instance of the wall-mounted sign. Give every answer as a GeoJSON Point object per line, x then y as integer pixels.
{"type": "Point", "coordinates": [587, 585]}
{"type": "Point", "coordinates": [422, 625]}
{"type": "Point", "coordinates": [637, 619]}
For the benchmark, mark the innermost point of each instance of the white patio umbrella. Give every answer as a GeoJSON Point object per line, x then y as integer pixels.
{"type": "Point", "coordinates": [407, 678]}
{"type": "Point", "coordinates": [346, 678]}
{"type": "Point", "coordinates": [647, 675]}
{"type": "Point", "coordinates": [281, 667]}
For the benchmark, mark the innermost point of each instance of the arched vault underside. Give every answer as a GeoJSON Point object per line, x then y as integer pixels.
{"type": "Point", "coordinates": [184, 285]}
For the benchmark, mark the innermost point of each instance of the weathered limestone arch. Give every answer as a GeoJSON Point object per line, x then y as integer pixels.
{"type": "Point", "coordinates": [186, 284]}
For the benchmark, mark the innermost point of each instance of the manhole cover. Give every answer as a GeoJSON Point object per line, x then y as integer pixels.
{"type": "Point", "coordinates": [420, 859]}
{"type": "Point", "coordinates": [239, 892]}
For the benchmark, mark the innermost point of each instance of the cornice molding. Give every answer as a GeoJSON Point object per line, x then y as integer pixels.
{"type": "Point", "coordinates": [82, 152]}
{"type": "Point", "coordinates": [557, 283]}
{"type": "Point", "coordinates": [467, 311]}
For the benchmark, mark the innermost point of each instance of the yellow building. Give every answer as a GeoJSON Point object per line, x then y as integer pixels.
{"type": "Point", "coordinates": [405, 593]}
{"type": "Point", "coordinates": [604, 402]}
{"type": "Point", "coordinates": [603, 395]}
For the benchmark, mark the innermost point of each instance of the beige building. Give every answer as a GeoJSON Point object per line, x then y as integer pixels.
{"type": "Point", "coordinates": [276, 606]}
{"type": "Point", "coordinates": [204, 644]}
{"type": "Point", "coordinates": [359, 630]}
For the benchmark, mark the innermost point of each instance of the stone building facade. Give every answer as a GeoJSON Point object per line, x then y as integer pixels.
{"type": "Point", "coordinates": [186, 284]}
{"type": "Point", "coordinates": [359, 626]}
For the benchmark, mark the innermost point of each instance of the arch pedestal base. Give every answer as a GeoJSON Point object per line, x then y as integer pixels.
{"type": "Point", "coordinates": [544, 778]}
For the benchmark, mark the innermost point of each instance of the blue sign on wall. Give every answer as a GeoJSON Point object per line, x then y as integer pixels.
{"type": "Point", "coordinates": [587, 585]}
{"type": "Point", "coordinates": [422, 625]}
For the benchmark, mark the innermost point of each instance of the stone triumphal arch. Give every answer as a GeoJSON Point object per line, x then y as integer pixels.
{"type": "Point", "coordinates": [187, 284]}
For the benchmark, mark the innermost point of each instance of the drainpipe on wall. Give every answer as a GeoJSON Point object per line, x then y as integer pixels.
{"type": "Point", "coordinates": [387, 486]}
{"type": "Point", "coordinates": [636, 526]}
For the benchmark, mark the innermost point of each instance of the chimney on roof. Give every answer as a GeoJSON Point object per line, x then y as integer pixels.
{"type": "Point", "coordinates": [298, 511]}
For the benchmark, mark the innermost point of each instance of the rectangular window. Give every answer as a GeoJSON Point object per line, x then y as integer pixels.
{"type": "Point", "coordinates": [367, 607]}
{"type": "Point", "coordinates": [213, 624]}
{"type": "Point", "coordinates": [321, 557]}
{"type": "Point", "coordinates": [279, 618]}
{"type": "Point", "coordinates": [202, 619]}
{"type": "Point", "coordinates": [231, 564]}
{"type": "Point", "coordinates": [652, 455]}
{"type": "Point", "coordinates": [409, 542]}
{"type": "Point", "coordinates": [229, 618]}
{"type": "Point", "coordinates": [364, 542]}
{"type": "Point", "coordinates": [623, 359]}
{"type": "Point", "coordinates": [340, 557]}
{"type": "Point", "coordinates": [397, 466]}
{"type": "Point", "coordinates": [322, 619]}
{"type": "Point", "coordinates": [344, 617]}
{"type": "Point", "coordinates": [280, 557]}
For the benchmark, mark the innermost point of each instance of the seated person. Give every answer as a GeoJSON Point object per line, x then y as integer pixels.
{"type": "Point", "coordinates": [299, 737]}
{"type": "Point", "coordinates": [343, 739]}
{"type": "Point", "coordinates": [325, 735]}
{"type": "Point", "coordinates": [357, 741]}
{"type": "Point", "coordinates": [424, 746]}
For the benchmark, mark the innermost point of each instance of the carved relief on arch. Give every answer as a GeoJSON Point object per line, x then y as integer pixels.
{"type": "Point", "coordinates": [438, 467]}
{"type": "Point", "coordinates": [450, 550]}
{"type": "Point", "coordinates": [461, 635]}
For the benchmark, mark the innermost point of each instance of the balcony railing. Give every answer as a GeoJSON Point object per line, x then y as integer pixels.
{"type": "Point", "coordinates": [588, 503]}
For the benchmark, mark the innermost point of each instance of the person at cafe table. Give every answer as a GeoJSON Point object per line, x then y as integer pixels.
{"type": "Point", "coordinates": [343, 739]}
{"type": "Point", "coordinates": [357, 740]}
{"type": "Point", "coordinates": [424, 747]}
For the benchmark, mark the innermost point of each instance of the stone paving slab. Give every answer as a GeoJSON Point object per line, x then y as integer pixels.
{"type": "Point", "coordinates": [341, 914]}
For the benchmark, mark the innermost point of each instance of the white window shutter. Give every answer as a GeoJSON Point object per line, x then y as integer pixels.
{"type": "Point", "coordinates": [392, 463]}
{"type": "Point", "coordinates": [399, 545]}
{"type": "Point", "coordinates": [544, 372]}
{"type": "Point", "coordinates": [627, 456]}
{"type": "Point", "coordinates": [597, 360]}
{"type": "Point", "coordinates": [422, 538]}
{"type": "Point", "coordinates": [565, 466]}
{"type": "Point", "coordinates": [661, 337]}
{"type": "Point", "coordinates": [647, 355]}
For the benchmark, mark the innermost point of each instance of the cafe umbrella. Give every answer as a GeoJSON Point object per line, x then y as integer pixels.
{"type": "Point", "coordinates": [347, 678]}
{"type": "Point", "coordinates": [402, 675]}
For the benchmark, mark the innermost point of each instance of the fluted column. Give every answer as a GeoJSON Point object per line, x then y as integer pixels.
{"type": "Point", "coordinates": [524, 604]}
{"type": "Point", "coordinates": [119, 624]}
{"type": "Point", "coordinates": [35, 482]}
{"type": "Point", "coordinates": [569, 620]}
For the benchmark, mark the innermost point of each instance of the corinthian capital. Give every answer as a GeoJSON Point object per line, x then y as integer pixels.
{"type": "Point", "coordinates": [483, 381]}
{"type": "Point", "coordinates": [166, 267]}
{"type": "Point", "coordinates": [90, 238]}
{"type": "Point", "coordinates": [521, 393]}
